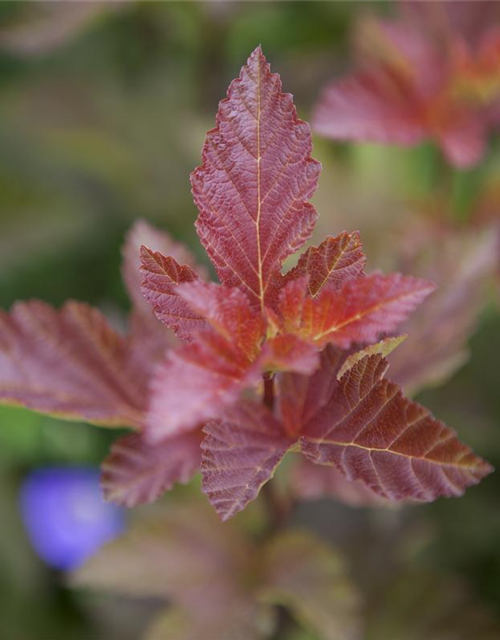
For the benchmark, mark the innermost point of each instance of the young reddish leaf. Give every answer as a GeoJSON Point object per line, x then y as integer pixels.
{"type": "Point", "coordinates": [136, 472]}
{"type": "Point", "coordinates": [371, 432]}
{"type": "Point", "coordinates": [161, 277]}
{"type": "Point", "coordinates": [310, 481]}
{"type": "Point", "coordinates": [359, 313]}
{"type": "Point", "coordinates": [289, 353]}
{"type": "Point", "coordinates": [228, 311]}
{"type": "Point", "coordinates": [378, 105]}
{"type": "Point", "coordinates": [143, 233]}
{"type": "Point", "coordinates": [195, 383]}
{"type": "Point", "coordinates": [68, 363]}
{"type": "Point", "coordinates": [253, 186]}
{"type": "Point", "coordinates": [300, 397]}
{"type": "Point", "coordinates": [240, 454]}
{"type": "Point", "coordinates": [418, 81]}
{"type": "Point", "coordinates": [330, 265]}
{"type": "Point", "coordinates": [307, 576]}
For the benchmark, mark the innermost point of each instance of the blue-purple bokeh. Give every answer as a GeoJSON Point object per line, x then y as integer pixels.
{"type": "Point", "coordinates": [65, 515]}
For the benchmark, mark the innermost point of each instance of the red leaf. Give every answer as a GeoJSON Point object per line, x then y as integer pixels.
{"type": "Point", "coordinates": [253, 186]}
{"type": "Point", "coordinates": [310, 481]}
{"type": "Point", "coordinates": [330, 265]}
{"type": "Point", "coordinates": [228, 311]}
{"type": "Point", "coordinates": [376, 105]}
{"type": "Point", "coordinates": [360, 312]}
{"type": "Point", "coordinates": [68, 363]}
{"type": "Point", "coordinates": [240, 454]}
{"type": "Point", "coordinates": [371, 432]}
{"type": "Point", "coordinates": [289, 353]}
{"type": "Point", "coordinates": [300, 397]}
{"type": "Point", "coordinates": [196, 383]}
{"type": "Point", "coordinates": [143, 233]}
{"type": "Point", "coordinates": [161, 277]}
{"type": "Point", "coordinates": [136, 472]}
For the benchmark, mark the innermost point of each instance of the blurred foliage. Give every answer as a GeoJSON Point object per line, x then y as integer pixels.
{"type": "Point", "coordinates": [101, 123]}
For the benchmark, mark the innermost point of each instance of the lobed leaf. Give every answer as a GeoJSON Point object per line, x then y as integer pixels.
{"type": "Point", "coordinates": [359, 313]}
{"type": "Point", "coordinates": [144, 234]}
{"type": "Point", "coordinates": [254, 183]}
{"type": "Point", "coordinates": [240, 454]}
{"type": "Point", "coordinates": [228, 311]}
{"type": "Point", "coordinates": [195, 383]}
{"type": "Point", "coordinates": [329, 266]}
{"type": "Point", "coordinates": [136, 472]}
{"type": "Point", "coordinates": [307, 576]}
{"type": "Point", "coordinates": [371, 432]}
{"type": "Point", "coordinates": [69, 363]}
{"type": "Point", "coordinates": [161, 277]}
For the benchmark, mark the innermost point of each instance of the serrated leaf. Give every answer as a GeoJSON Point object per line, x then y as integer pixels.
{"type": "Point", "coordinates": [136, 472]}
{"type": "Point", "coordinates": [300, 397]}
{"type": "Point", "coordinates": [360, 312]}
{"type": "Point", "coordinates": [308, 577]}
{"type": "Point", "coordinates": [195, 383]}
{"type": "Point", "coordinates": [254, 183]}
{"type": "Point", "coordinates": [383, 348]}
{"type": "Point", "coordinates": [240, 454]}
{"type": "Point", "coordinates": [228, 311]}
{"type": "Point", "coordinates": [144, 234]}
{"type": "Point", "coordinates": [69, 363]}
{"type": "Point", "coordinates": [161, 277]}
{"type": "Point", "coordinates": [290, 353]}
{"type": "Point", "coordinates": [371, 432]}
{"type": "Point", "coordinates": [336, 260]}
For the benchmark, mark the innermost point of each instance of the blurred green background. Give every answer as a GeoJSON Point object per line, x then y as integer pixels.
{"type": "Point", "coordinates": [103, 111]}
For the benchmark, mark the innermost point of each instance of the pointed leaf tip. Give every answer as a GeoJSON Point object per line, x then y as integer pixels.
{"type": "Point", "coordinates": [253, 187]}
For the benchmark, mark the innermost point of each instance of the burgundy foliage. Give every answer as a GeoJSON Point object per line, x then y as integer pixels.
{"type": "Point", "coordinates": [267, 362]}
{"type": "Point", "coordinates": [432, 73]}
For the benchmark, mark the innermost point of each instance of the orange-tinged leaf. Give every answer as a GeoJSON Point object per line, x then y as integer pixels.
{"type": "Point", "coordinates": [336, 260]}
{"type": "Point", "coordinates": [240, 454]}
{"type": "Point", "coordinates": [360, 312]}
{"type": "Point", "coordinates": [228, 311]}
{"type": "Point", "coordinates": [69, 363]}
{"type": "Point", "coordinates": [254, 183]}
{"type": "Point", "coordinates": [289, 353]}
{"type": "Point", "coordinates": [371, 432]}
{"type": "Point", "coordinates": [136, 472]}
{"type": "Point", "coordinates": [195, 383]}
{"type": "Point", "coordinates": [310, 578]}
{"type": "Point", "coordinates": [161, 277]}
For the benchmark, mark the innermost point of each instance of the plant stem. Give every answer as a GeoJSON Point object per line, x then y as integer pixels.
{"type": "Point", "coordinates": [277, 505]}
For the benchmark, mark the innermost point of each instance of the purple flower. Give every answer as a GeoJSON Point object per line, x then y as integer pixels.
{"type": "Point", "coordinates": [65, 515]}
